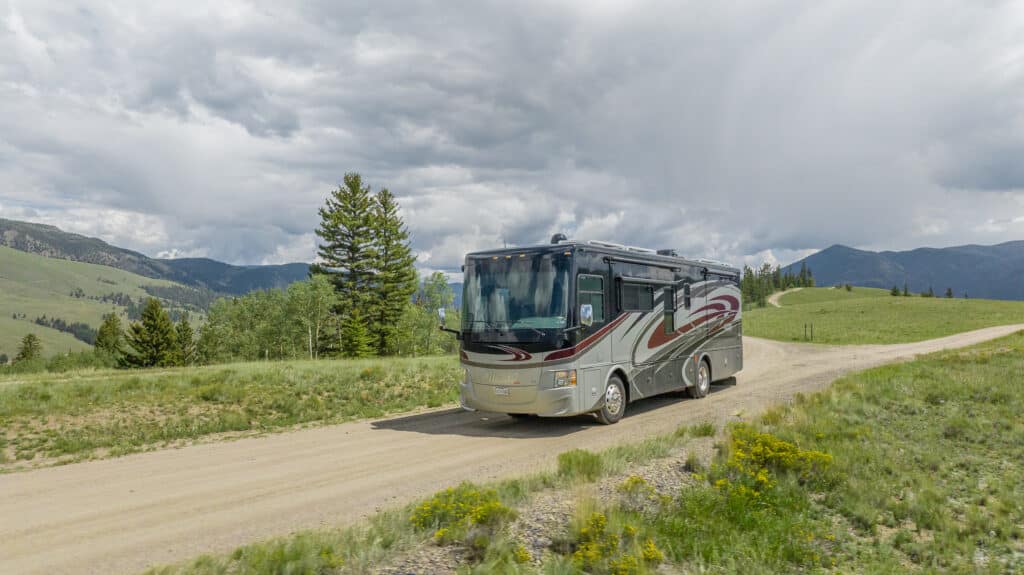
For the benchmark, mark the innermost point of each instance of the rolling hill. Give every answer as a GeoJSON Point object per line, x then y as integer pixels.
{"type": "Point", "coordinates": [992, 272]}
{"type": "Point", "coordinates": [34, 286]}
{"type": "Point", "coordinates": [53, 242]}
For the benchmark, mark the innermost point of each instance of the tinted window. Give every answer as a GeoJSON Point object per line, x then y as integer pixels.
{"type": "Point", "coordinates": [526, 292]}
{"type": "Point", "coordinates": [590, 290]}
{"type": "Point", "coordinates": [637, 297]}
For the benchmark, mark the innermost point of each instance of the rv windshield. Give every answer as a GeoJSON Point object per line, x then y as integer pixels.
{"type": "Point", "coordinates": [525, 291]}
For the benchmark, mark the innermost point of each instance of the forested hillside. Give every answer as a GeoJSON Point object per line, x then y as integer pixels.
{"type": "Point", "coordinates": [216, 276]}
{"type": "Point", "coordinates": [63, 302]}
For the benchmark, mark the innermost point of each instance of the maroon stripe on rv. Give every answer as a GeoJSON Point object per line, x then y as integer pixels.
{"type": "Point", "coordinates": [589, 341]}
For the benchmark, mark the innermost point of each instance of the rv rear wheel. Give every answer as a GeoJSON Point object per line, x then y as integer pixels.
{"type": "Point", "coordinates": [703, 385]}
{"type": "Point", "coordinates": [614, 402]}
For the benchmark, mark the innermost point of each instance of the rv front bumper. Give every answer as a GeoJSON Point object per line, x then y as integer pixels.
{"type": "Point", "coordinates": [528, 399]}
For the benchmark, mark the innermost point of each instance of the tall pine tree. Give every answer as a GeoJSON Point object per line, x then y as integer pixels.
{"type": "Point", "coordinates": [186, 341]}
{"type": "Point", "coordinates": [109, 337]}
{"type": "Point", "coordinates": [395, 276]}
{"type": "Point", "coordinates": [356, 341]}
{"type": "Point", "coordinates": [153, 340]}
{"type": "Point", "coordinates": [347, 251]}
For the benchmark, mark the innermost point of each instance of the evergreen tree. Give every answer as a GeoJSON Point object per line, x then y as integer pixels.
{"type": "Point", "coordinates": [906, 289]}
{"type": "Point", "coordinates": [110, 334]}
{"type": "Point", "coordinates": [31, 348]}
{"type": "Point", "coordinates": [395, 276]}
{"type": "Point", "coordinates": [802, 277]}
{"type": "Point", "coordinates": [949, 292]}
{"type": "Point", "coordinates": [186, 340]}
{"type": "Point", "coordinates": [895, 291]}
{"type": "Point", "coordinates": [356, 340]}
{"type": "Point", "coordinates": [3, 359]}
{"type": "Point", "coordinates": [346, 251]}
{"type": "Point", "coordinates": [153, 340]}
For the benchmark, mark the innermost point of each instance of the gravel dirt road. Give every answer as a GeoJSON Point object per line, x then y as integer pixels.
{"type": "Point", "coordinates": [773, 299]}
{"type": "Point", "coordinates": [123, 515]}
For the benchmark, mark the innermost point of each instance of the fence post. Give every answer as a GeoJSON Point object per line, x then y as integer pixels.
{"type": "Point", "coordinates": [812, 332]}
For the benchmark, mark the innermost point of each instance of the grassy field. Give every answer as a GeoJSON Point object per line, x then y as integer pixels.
{"type": "Point", "coordinates": [35, 286]}
{"type": "Point", "coordinates": [53, 341]}
{"type": "Point", "coordinates": [52, 418]}
{"type": "Point", "coordinates": [867, 315]}
{"type": "Point", "coordinates": [915, 467]}
{"type": "Point", "coordinates": [819, 295]}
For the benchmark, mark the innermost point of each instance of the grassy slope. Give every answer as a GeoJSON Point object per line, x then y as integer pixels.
{"type": "Point", "coordinates": [819, 295]}
{"type": "Point", "coordinates": [53, 341]}
{"type": "Point", "coordinates": [35, 285]}
{"type": "Point", "coordinates": [58, 417]}
{"type": "Point", "coordinates": [865, 316]}
{"type": "Point", "coordinates": [926, 476]}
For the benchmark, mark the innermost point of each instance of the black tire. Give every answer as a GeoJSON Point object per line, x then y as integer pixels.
{"type": "Point", "coordinates": [702, 386]}
{"type": "Point", "coordinates": [614, 406]}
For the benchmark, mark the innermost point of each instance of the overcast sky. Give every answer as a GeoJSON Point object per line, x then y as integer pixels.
{"type": "Point", "coordinates": [735, 130]}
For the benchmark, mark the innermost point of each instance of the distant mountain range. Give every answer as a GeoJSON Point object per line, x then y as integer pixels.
{"type": "Point", "coordinates": [53, 242]}
{"type": "Point", "coordinates": [991, 272]}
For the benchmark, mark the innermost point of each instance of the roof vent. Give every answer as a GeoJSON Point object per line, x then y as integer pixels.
{"type": "Point", "coordinates": [668, 252]}
{"type": "Point", "coordinates": [559, 238]}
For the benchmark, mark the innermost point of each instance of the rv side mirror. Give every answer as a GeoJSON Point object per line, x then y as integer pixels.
{"type": "Point", "coordinates": [587, 315]}
{"type": "Point", "coordinates": [670, 310]}
{"type": "Point", "coordinates": [686, 296]}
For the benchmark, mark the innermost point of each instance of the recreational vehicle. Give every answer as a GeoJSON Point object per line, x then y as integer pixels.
{"type": "Point", "coordinates": [578, 327]}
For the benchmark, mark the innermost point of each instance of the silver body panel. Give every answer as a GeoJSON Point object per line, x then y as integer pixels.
{"type": "Point", "coordinates": [633, 345]}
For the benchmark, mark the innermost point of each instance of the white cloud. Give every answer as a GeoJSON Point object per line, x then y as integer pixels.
{"type": "Point", "coordinates": [732, 131]}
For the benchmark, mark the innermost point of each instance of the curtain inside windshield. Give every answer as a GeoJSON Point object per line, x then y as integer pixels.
{"type": "Point", "coordinates": [528, 292]}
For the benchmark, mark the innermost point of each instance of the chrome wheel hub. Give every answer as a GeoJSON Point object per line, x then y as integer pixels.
{"type": "Point", "coordinates": [613, 399]}
{"type": "Point", "coordinates": [703, 380]}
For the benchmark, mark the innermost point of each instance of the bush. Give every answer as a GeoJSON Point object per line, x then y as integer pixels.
{"type": "Point", "coordinates": [705, 429]}
{"type": "Point", "coordinates": [580, 464]}
{"type": "Point", "coordinates": [465, 513]}
{"type": "Point", "coordinates": [756, 457]}
{"type": "Point", "coordinates": [614, 551]}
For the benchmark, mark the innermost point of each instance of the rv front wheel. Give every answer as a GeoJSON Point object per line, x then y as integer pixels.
{"type": "Point", "coordinates": [703, 385]}
{"type": "Point", "coordinates": [614, 402]}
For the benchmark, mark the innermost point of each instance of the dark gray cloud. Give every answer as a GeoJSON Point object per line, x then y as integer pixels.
{"type": "Point", "coordinates": [741, 133]}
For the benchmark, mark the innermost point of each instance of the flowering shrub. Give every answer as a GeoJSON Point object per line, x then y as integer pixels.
{"type": "Point", "coordinates": [756, 457]}
{"type": "Point", "coordinates": [638, 495]}
{"type": "Point", "coordinates": [462, 512]}
{"type": "Point", "coordinates": [602, 551]}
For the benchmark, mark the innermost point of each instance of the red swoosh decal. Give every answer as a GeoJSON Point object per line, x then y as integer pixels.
{"type": "Point", "coordinates": [724, 305]}
{"type": "Point", "coordinates": [589, 341]}
{"type": "Point", "coordinates": [517, 354]}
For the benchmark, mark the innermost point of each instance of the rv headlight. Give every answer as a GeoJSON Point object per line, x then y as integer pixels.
{"type": "Point", "coordinates": [565, 378]}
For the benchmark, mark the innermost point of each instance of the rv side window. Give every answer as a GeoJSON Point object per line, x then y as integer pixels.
{"type": "Point", "coordinates": [637, 297]}
{"type": "Point", "coordinates": [590, 290]}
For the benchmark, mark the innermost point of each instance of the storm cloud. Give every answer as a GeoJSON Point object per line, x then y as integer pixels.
{"type": "Point", "coordinates": [741, 131]}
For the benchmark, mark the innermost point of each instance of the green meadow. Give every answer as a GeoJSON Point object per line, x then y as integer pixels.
{"type": "Point", "coordinates": [56, 418]}
{"type": "Point", "coordinates": [867, 315]}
